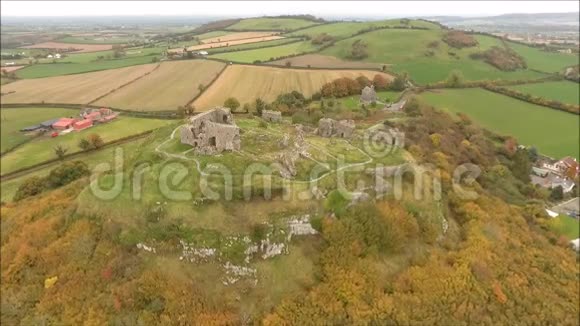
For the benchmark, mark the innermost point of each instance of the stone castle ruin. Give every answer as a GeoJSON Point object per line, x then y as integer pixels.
{"type": "Point", "coordinates": [329, 127]}
{"type": "Point", "coordinates": [272, 116]}
{"type": "Point", "coordinates": [212, 132]}
{"type": "Point", "coordinates": [368, 95]}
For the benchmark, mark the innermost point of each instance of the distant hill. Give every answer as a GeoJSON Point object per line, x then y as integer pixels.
{"type": "Point", "coordinates": [562, 19]}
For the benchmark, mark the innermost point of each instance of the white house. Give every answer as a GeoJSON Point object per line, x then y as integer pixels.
{"type": "Point", "coordinates": [49, 56]}
{"type": "Point", "coordinates": [202, 53]}
{"type": "Point", "coordinates": [57, 56]}
{"type": "Point", "coordinates": [9, 64]}
{"type": "Point", "coordinates": [575, 244]}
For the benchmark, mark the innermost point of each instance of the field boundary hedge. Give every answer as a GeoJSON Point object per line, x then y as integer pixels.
{"type": "Point", "coordinates": [217, 76]}
{"type": "Point", "coordinates": [126, 84]}
{"type": "Point", "coordinates": [28, 169]}
{"type": "Point", "coordinates": [537, 100]}
{"type": "Point", "coordinates": [290, 41]}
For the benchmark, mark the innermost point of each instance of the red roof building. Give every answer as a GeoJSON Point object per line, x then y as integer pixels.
{"type": "Point", "coordinates": [83, 124]}
{"type": "Point", "coordinates": [63, 123]}
{"type": "Point", "coordinates": [95, 115]}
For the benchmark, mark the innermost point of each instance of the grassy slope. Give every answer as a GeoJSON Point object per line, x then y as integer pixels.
{"type": "Point", "coordinates": [91, 158]}
{"type": "Point", "coordinates": [266, 54]}
{"type": "Point", "coordinates": [563, 91]}
{"type": "Point", "coordinates": [86, 62]}
{"type": "Point", "coordinates": [405, 50]}
{"type": "Point", "coordinates": [42, 149]}
{"type": "Point", "coordinates": [12, 120]}
{"type": "Point", "coordinates": [544, 61]}
{"type": "Point", "coordinates": [271, 24]}
{"type": "Point", "coordinates": [553, 132]}
{"type": "Point", "coordinates": [347, 29]}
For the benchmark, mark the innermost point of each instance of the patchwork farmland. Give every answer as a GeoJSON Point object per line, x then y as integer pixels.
{"type": "Point", "coordinates": [74, 89]}
{"type": "Point", "coordinates": [170, 86]}
{"type": "Point", "coordinates": [236, 36]}
{"type": "Point", "coordinates": [230, 43]}
{"type": "Point", "coordinates": [246, 83]}
{"type": "Point", "coordinates": [324, 61]}
{"type": "Point", "coordinates": [76, 48]}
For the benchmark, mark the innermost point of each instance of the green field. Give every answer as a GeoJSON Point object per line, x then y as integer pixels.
{"type": "Point", "coordinates": [91, 158]}
{"type": "Point", "coordinates": [266, 54]}
{"type": "Point", "coordinates": [544, 61]}
{"type": "Point", "coordinates": [12, 120]}
{"type": "Point", "coordinates": [406, 51]}
{"type": "Point", "coordinates": [347, 29]}
{"type": "Point", "coordinates": [566, 226]}
{"type": "Point", "coordinates": [95, 40]}
{"type": "Point", "coordinates": [42, 149]}
{"type": "Point", "coordinates": [554, 133]}
{"type": "Point", "coordinates": [353, 102]}
{"type": "Point", "coordinates": [267, 24]}
{"type": "Point", "coordinates": [87, 62]}
{"type": "Point", "coordinates": [212, 34]}
{"type": "Point", "coordinates": [561, 91]}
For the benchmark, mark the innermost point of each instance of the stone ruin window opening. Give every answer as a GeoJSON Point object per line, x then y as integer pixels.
{"type": "Point", "coordinates": [212, 141]}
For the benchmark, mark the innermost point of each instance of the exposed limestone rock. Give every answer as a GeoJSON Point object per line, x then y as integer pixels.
{"type": "Point", "coordinates": [143, 246]}
{"type": "Point", "coordinates": [235, 273]}
{"type": "Point", "coordinates": [190, 253]}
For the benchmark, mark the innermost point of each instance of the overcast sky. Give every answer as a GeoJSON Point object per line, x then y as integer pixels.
{"type": "Point", "coordinates": [259, 8]}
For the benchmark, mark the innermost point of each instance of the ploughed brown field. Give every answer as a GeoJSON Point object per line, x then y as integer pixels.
{"type": "Point", "coordinates": [246, 83]}
{"type": "Point", "coordinates": [73, 89]}
{"type": "Point", "coordinates": [237, 36]}
{"type": "Point", "coordinates": [78, 48]}
{"type": "Point", "coordinates": [172, 85]}
{"type": "Point", "coordinates": [325, 61]}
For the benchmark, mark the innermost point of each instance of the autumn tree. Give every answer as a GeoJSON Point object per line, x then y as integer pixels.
{"type": "Point", "coordinates": [96, 141]}
{"type": "Point", "coordinates": [84, 144]}
{"type": "Point", "coordinates": [380, 82]}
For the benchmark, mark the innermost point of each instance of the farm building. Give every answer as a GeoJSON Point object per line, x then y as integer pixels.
{"type": "Point", "coordinates": [272, 116]}
{"type": "Point", "coordinates": [212, 132]}
{"type": "Point", "coordinates": [101, 115]}
{"type": "Point", "coordinates": [43, 125]}
{"type": "Point", "coordinates": [83, 124]}
{"type": "Point", "coordinates": [63, 123]}
{"type": "Point", "coordinates": [368, 95]}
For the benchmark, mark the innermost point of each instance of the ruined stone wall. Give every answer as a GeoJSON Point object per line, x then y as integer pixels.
{"type": "Point", "coordinates": [272, 116]}
{"type": "Point", "coordinates": [212, 132]}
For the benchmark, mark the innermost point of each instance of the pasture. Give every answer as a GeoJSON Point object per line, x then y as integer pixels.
{"type": "Point", "coordinates": [166, 88]}
{"type": "Point", "coordinates": [566, 226]}
{"type": "Point", "coordinates": [544, 61]}
{"type": "Point", "coordinates": [42, 149]}
{"type": "Point", "coordinates": [561, 91]}
{"type": "Point", "coordinates": [408, 51]}
{"type": "Point", "coordinates": [76, 48]}
{"type": "Point", "coordinates": [271, 24]}
{"type": "Point", "coordinates": [89, 62]}
{"type": "Point", "coordinates": [14, 119]}
{"type": "Point", "coordinates": [266, 54]}
{"type": "Point", "coordinates": [346, 29]}
{"type": "Point", "coordinates": [246, 83]}
{"type": "Point", "coordinates": [552, 132]}
{"type": "Point", "coordinates": [75, 89]}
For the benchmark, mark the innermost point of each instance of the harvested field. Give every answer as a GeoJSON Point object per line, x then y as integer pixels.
{"type": "Point", "coordinates": [74, 89]}
{"type": "Point", "coordinates": [172, 85]}
{"type": "Point", "coordinates": [77, 48]}
{"type": "Point", "coordinates": [236, 36]}
{"type": "Point", "coordinates": [246, 83]}
{"type": "Point", "coordinates": [325, 61]}
{"type": "Point", "coordinates": [10, 68]}
{"type": "Point", "coordinates": [229, 43]}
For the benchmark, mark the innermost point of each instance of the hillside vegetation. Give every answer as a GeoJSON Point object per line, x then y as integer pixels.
{"type": "Point", "coordinates": [424, 55]}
